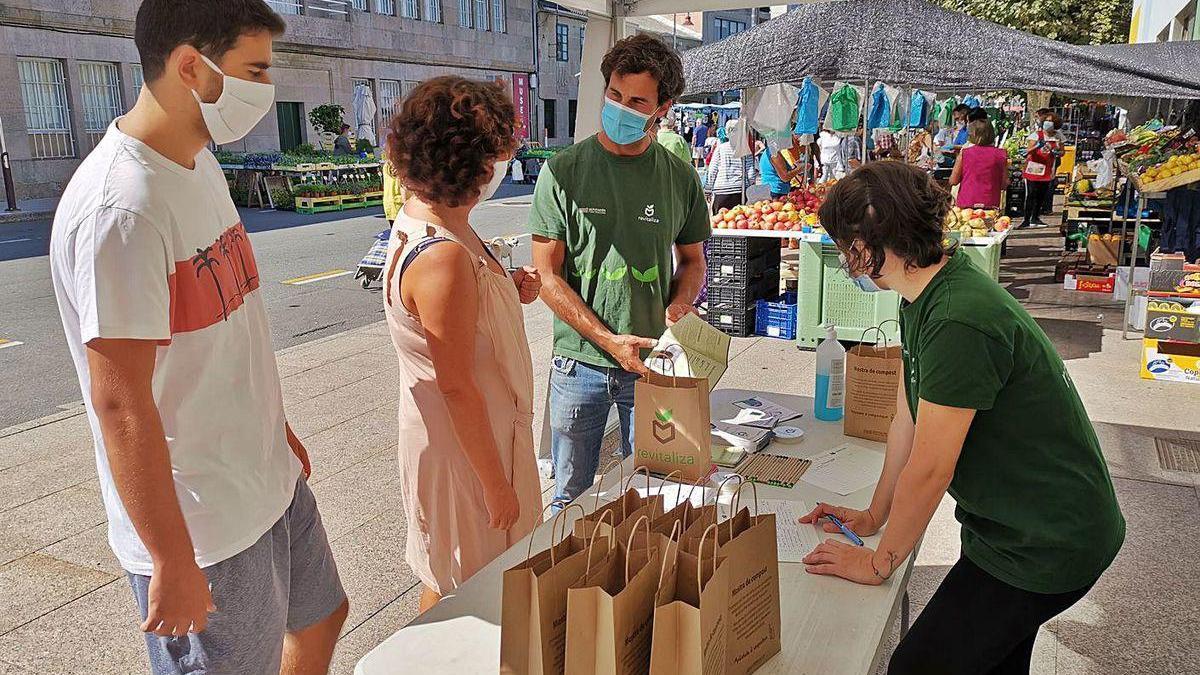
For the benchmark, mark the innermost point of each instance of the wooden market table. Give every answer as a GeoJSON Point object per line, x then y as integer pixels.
{"type": "Point", "coordinates": [829, 626]}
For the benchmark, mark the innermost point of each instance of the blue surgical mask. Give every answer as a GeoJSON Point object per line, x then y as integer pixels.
{"type": "Point", "coordinates": [623, 126]}
{"type": "Point", "coordinates": [864, 281]}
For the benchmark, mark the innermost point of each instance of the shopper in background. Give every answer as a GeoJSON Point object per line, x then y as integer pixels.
{"type": "Point", "coordinates": [850, 151]}
{"type": "Point", "coordinates": [981, 170]}
{"type": "Point", "coordinates": [672, 141]}
{"type": "Point", "coordinates": [985, 410]}
{"type": "Point", "coordinates": [203, 481]}
{"type": "Point", "coordinates": [610, 215]}
{"type": "Point", "coordinates": [728, 174]}
{"type": "Point", "coordinates": [1045, 146]}
{"type": "Point", "coordinates": [779, 169]}
{"type": "Point", "coordinates": [469, 482]}
{"type": "Point", "coordinates": [699, 137]}
{"type": "Point", "coordinates": [923, 150]}
{"type": "Point", "coordinates": [710, 145]}
{"type": "Point", "coordinates": [960, 114]}
{"type": "Point", "coordinates": [829, 145]}
{"type": "Point", "coordinates": [341, 144]}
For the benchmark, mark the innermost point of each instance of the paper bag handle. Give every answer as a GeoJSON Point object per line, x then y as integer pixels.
{"type": "Point", "coordinates": [700, 556]}
{"type": "Point", "coordinates": [666, 478]}
{"type": "Point", "coordinates": [675, 532]}
{"type": "Point", "coordinates": [629, 483]}
{"type": "Point", "coordinates": [879, 329]}
{"type": "Point", "coordinates": [600, 484]}
{"type": "Point", "coordinates": [735, 505]}
{"type": "Point", "coordinates": [592, 539]}
{"type": "Point", "coordinates": [629, 541]}
{"type": "Point", "coordinates": [562, 533]}
{"type": "Point", "coordinates": [666, 357]}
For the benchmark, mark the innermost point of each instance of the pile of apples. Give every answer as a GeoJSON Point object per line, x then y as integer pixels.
{"type": "Point", "coordinates": [765, 215]}
{"type": "Point", "coordinates": [975, 222]}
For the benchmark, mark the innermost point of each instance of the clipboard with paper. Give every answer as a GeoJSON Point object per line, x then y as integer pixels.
{"type": "Point", "coordinates": [694, 349]}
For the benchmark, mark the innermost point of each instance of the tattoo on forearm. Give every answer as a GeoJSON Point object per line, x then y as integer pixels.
{"type": "Point", "coordinates": [892, 559]}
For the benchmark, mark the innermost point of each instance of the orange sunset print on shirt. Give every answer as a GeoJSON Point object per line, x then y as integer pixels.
{"type": "Point", "coordinates": [211, 285]}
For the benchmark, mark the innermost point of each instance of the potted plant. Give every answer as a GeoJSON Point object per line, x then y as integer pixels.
{"type": "Point", "coordinates": [327, 120]}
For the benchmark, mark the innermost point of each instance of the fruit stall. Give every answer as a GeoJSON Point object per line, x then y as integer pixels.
{"type": "Point", "coordinates": [745, 275]}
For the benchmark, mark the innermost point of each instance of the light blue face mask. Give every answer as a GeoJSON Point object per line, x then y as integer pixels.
{"type": "Point", "coordinates": [864, 281]}
{"type": "Point", "coordinates": [623, 126]}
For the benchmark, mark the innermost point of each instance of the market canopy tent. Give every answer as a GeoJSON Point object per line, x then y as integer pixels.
{"type": "Point", "coordinates": [914, 43]}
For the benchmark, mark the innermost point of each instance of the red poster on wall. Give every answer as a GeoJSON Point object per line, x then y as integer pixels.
{"type": "Point", "coordinates": [520, 83]}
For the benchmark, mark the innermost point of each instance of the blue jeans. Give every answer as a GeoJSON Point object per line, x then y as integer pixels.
{"type": "Point", "coordinates": [581, 395]}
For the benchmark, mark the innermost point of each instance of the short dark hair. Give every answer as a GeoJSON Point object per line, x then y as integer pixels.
{"type": "Point", "coordinates": [211, 26]}
{"type": "Point", "coordinates": [448, 133]}
{"type": "Point", "coordinates": [646, 54]}
{"type": "Point", "coordinates": [887, 205]}
{"type": "Point", "coordinates": [977, 114]}
{"type": "Point", "coordinates": [962, 108]}
{"type": "Point", "coordinates": [1042, 111]}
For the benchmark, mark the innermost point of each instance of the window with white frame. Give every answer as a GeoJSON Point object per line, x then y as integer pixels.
{"type": "Point", "coordinates": [407, 88]}
{"type": "Point", "coordinates": [387, 7]}
{"type": "Point", "coordinates": [138, 80]}
{"type": "Point", "coordinates": [499, 17]}
{"type": "Point", "coordinates": [360, 5]}
{"type": "Point", "coordinates": [464, 13]}
{"type": "Point", "coordinates": [100, 91]}
{"type": "Point", "coordinates": [481, 14]}
{"type": "Point", "coordinates": [47, 115]}
{"type": "Point", "coordinates": [433, 11]}
{"type": "Point", "coordinates": [389, 98]}
{"type": "Point", "coordinates": [287, 6]}
{"type": "Point", "coordinates": [409, 9]}
{"type": "Point", "coordinates": [562, 47]}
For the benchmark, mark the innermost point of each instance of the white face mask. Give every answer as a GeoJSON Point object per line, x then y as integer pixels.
{"type": "Point", "coordinates": [499, 171]}
{"type": "Point", "coordinates": [1048, 126]}
{"type": "Point", "coordinates": [240, 106]}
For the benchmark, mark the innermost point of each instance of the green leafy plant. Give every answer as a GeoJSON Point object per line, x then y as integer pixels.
{"type": "Point", "coordinates": [305, 150]}
{"type": "Point", "coordinates": [238, 195]}
{"type": "Point", "coordinates": [283, 199]}
{"type": "Point", "coordinates": [327, 118]}
{"type": "Point", "coordinates": [363, 145]}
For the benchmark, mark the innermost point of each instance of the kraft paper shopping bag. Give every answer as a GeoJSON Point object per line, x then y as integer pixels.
{"type": "Point", "coordinates": [691, 614]}
{"type": "Point", "coordinates": [533, 615]}
{"type": "Point", "coordinates": [873, 375]}
{"type": "Point", "coordinates": [610, 610]}
{"type": "Point", "coordinates": [625, 510]}
{"type": "Point", "coordinates": [672, 429]}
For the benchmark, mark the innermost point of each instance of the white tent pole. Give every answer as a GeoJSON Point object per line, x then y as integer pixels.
{"type": "Point", "coordinates": [866, 110]}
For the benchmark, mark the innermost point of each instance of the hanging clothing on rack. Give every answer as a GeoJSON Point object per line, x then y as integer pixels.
{"type": "Point", "coordinates": [880, 111]}
{"type": "Point", "coordinates": [808, 108]}
{"type": "Point", "coordinates": [918, 110]}
{"type": "Point", "coordinates": [1180, 221]}
{"type": "Point", "coordinates": [945, 112]}
{"type": "Point", "coordinates": [845, 106]}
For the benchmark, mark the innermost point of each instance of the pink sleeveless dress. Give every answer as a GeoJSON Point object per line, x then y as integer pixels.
{"type": "Point", "coordinates": [448, 534]}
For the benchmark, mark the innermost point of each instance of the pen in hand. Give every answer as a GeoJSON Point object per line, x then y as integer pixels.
{"type": "Point", "coordinates": [845, 530]}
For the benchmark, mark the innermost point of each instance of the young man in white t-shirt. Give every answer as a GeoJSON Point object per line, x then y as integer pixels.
{"type": "Point", "coordinates": [203, 481]}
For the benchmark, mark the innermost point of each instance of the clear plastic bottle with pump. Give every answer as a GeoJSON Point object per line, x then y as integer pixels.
{"type": "Point", "coordinates": [831, 377]}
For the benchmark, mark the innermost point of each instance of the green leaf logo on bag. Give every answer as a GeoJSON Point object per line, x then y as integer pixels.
{"type": "Point", "coordinates": [648, 277]}
{"type": "Point", "coordinates": [664, 428]}
{"type": "Point", "coordinates": [614, 275]}
{"type": "Point", "coordinates": [586, 273]}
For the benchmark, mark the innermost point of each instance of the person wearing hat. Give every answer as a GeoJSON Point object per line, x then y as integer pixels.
{"type": "Point", "coordinates": [671, 140]}
{"type": "Point", "coordinates": [728, 174]}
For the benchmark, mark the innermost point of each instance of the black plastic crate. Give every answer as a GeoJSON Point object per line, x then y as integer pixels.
{"type": "Point", "coordinates": [746, 247]}
{"type": "Point", "coordinates": [739, 270]}
{"type": "Point", "coordinates": [730, 294]}
{"type": "Point", "coordinates": [732, 321]}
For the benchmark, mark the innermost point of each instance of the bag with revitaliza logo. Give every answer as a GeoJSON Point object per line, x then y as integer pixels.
{"type": "Point", "coordinates": [672, 429]}
{"type": "Point", "coordinates": [691, 613]}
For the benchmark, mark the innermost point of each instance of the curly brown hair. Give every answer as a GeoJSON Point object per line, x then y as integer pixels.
{"type": "Point", "coordinates": [888, 205]}
{"type": "Point", "coordinates": [448, 134]}
{"type": "Point", "coordinates": [646, 54]}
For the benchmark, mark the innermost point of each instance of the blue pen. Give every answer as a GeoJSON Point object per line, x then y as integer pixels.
{"type": "Point", "coordinates": [845, 530]}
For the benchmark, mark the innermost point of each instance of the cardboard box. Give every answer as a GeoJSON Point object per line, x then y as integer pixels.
{"type": "Point", "coordinates": [1090, 283]}
{"type": "Point", "coordinates": [1171, 320]}
{"type": "Point", "coordinates": [1171, 273]}
{"type": "Point", "coordinates": [1170, 361]}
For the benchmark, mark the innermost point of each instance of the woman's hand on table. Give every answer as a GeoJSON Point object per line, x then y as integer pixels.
{"type": "Point", "coordinates": [855, 563]}
{"type": "Point", "coordinates": [861, 523]}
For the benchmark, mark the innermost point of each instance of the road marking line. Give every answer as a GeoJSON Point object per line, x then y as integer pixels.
{"type": "Point", "coordinates": [5, 344]}
{"type": "Point", "coordinates": [14, 241]}
{"type": "Point", "coordinates": [319, 276]}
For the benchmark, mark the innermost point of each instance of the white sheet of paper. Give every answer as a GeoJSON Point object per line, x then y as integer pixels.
{"type": "Point", "coordinates": [752, 417]}
{"type": "Point", "coordinates": [845, 469]}
{"type": "Point", "coordinates": [673, 493]}
{"type": "Point", "coordinates": [696, 350]}
{"type": "Point", "coordinates": [770, 408]}
{"type": "Point", "coordinates": [793, 539]}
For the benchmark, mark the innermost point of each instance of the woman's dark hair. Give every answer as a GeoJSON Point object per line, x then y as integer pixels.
{"type": "Point", "coordinates": [646, 54]}
{"type": "Point", "coordinates": [962, 108]}
{"type": "Point", "coordinates": [890, 206]}
{"type": "Point", "coordinates": [977, 114]}
{"type": "Point", "coordinates": [448, 134]}
{"type": "Point", "coordinates": [981, 132]}
{"type": "Point", "coordinates": [211, 27]}
{"type": "Point", "coordinates": [1053, 117]}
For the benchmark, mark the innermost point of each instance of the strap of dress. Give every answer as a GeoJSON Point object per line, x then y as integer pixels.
{"type": "Point", "coordinates": [413, 252]}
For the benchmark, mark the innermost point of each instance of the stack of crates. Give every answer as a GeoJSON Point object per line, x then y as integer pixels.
{"type": "Point", "coordinates": [1014, 198]}
{"type": "Point", "coordinates": [828, 296]}
{"type": "Point", "coordinates": [741, 271]}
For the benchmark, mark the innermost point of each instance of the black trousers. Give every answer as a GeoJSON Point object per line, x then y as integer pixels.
{"type": "Point", "coordinates": [721, 201]}
{"type": "Point", "coordinates": [1035, 198]}
{"type": "Point", "coordinates": [976, 624]}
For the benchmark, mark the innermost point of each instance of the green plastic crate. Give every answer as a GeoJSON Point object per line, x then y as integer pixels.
{"type": "Point", "coordinates": [827, 295]}
{"type": "Point", "coordinates": [987, 258]}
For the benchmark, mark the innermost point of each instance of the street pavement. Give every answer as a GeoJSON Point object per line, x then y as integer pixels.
{"type": "Point", "coordinates": [37, 377]}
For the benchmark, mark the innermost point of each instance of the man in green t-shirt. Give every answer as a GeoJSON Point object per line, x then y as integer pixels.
{"type": "Point", "coordinates": [985, 410]}
{"type": "Point", "coordinates": [618, 227]}
{"type": "Point", "coordinates": [671, 140]}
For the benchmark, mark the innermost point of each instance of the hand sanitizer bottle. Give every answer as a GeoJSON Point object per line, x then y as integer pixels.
{"type": "Point", "coordinates": [831, 377]}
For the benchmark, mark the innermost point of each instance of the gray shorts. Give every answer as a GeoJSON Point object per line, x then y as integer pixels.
{"type": "Point", "coordinates": [286, 581]}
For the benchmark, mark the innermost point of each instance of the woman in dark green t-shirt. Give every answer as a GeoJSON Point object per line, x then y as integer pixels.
{"type": "Point", "coordinates": [985, 411]}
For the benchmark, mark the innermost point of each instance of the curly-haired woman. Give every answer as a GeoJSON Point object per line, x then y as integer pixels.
{"type": "Point", "coordinates": [469, 476]}
{"type": "Point", "coordinates": [985, 410]}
